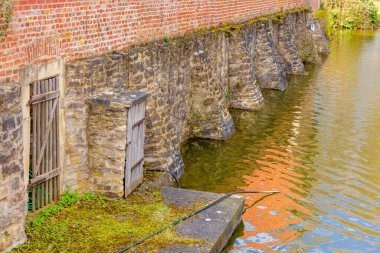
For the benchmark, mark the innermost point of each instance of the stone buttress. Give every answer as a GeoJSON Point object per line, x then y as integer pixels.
{"type": "Point", "coordinates": [244, 92]}
{"type": "Point", "coordinates": [286, 48]}
{"type": "Point", "coordinates": [210, 117]}
{"type": "Point", "coordinates": [269, 71]}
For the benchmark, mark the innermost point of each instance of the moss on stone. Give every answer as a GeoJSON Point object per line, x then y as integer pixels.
{"type": "Point", "coordinates": [279, 18]}
{"type": "Point", "coordinates": [100, 224]}
{"type": "Point", "coordinates": [230, 28]}
{"type": "Point", "coordinates": [300, 9]}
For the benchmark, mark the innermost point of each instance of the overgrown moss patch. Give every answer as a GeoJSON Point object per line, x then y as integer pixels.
{"type": "Point", "coordinates": [100, 224]}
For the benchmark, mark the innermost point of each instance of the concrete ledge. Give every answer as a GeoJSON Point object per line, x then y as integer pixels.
{"type": "Point", "coordinates": [214, 226]}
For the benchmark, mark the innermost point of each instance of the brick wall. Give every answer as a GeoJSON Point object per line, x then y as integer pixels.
{"type": "Point", "coordinates": [315, 4]}
{"type": "Point", "coordinates": [70, 29]}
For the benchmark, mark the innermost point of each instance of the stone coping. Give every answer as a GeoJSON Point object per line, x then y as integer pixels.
{"type": "Point", "coordinates": [122, 98]}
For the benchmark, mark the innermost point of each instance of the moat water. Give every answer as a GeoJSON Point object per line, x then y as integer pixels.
{"type": "Point", "coordinates": [318, 143]}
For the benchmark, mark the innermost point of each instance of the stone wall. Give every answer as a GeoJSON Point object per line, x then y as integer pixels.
{"type": "Point", "coordinates": [192, 81]}
{"type": "Point", "coordinates": [85, 78]}
{"type": "Point", "coordinates": [13, 194]}
{"type": "Point", "coordinates": [163, 71]}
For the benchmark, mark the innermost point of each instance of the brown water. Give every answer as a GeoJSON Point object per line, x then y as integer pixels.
{"type": "Point", "coordinates": [318, 143]}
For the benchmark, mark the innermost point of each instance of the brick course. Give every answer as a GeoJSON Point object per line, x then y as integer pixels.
{"type": "Point", "coordinates": [46, 29]}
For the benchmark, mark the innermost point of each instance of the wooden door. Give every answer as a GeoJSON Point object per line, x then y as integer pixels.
{"type": "Point", "coordinates": [135, 147]}
{"type": "Point", "coordinates": [45, 170]}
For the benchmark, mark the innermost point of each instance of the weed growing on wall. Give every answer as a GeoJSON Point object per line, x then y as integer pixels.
{"type": "Point", "coordinates": [228, 94]}
{"type": "Point", "coordinates": [6, 14]}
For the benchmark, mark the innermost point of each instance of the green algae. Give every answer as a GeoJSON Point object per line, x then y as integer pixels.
{"type": "Point", "coordinates": [101, 224]}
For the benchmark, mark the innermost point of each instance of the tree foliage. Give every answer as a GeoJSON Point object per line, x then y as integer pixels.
{"type": "Point", "coordinates": [352, 14]}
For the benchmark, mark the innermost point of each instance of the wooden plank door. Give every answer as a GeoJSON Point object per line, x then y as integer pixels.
{"type": "Point", "coordinates": [135, 147]}
{"type": "Point", "coordinates": [44, 182]}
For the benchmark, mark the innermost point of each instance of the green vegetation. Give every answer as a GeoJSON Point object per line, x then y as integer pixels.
{"type": "Point", "coordinates": [228, 94]}
{"type": "Point", "coordinates": [91, 223]}
{"type": "Point", "coordinates": [377, 3]}
{"type": "Point", "coordinates": [322, 16]}
{"type": "Point", "coordinates": [67, 199]}
{"type": "Point", "coordinates": [352, 14]}
{"type": "Point", "coordinates": [279, 18]}
{"type": "Point", "coordinates": [166, 39]}
{"type": "Point", "coordinates": [6, 14]}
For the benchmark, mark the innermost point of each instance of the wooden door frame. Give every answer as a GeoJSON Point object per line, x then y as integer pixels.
{"type": "Point", "coordinates": [31, 74]}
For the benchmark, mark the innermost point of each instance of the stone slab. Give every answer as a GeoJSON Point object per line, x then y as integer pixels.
{"type": "Point", "coordinates": [126, 97]}
{"type": "Point", "coordinates": [213, 226]}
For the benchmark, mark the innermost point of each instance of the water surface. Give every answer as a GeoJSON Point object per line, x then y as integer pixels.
{"type": "Point", "coordinates": [318, 143]}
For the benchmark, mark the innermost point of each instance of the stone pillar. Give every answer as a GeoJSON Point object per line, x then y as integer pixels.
{"type": "Point", "coordinates": [13, 194]}
{"type": "Point", "coordinates": [244, 92]}
{"type": "Point", "coordinates": [107, 140]}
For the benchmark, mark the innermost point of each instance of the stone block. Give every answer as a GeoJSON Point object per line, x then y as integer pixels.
{"type": "Point", "coordinates": [107, 139]}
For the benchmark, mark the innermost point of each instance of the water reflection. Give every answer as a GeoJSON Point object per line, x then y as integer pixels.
{"type": "Point", "coordinates": [318, 144]}
{"type": "Point", "coordinates": [273, 217]}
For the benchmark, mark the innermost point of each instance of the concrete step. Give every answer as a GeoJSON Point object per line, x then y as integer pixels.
{"type": "Point", "coordinates": [213, 226]}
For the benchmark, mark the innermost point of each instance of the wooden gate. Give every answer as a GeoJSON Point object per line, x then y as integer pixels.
{"type": "Point", "coordinates": [135, 147]}
{"type": "Point", "coordinates": [45, 170]}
